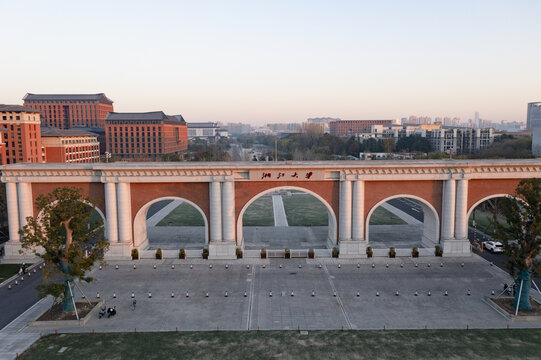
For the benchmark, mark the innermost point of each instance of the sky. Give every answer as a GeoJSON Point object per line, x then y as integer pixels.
{"type": "Point", "coordinates": [274, 61]}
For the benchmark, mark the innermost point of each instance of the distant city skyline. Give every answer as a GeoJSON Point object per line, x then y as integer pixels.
{"type": "Point", "coordinates": [259, 63]}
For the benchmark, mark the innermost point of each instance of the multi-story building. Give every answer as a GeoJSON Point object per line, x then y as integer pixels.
{"type": "Point", "coordinates": [2, 146]}
{"type": "Point", "coordinates": [354, 127]}
{"type": "Point", "coordinates": [202, 130]}
{"type": "Point", "coordinates": [64, 111]}
{"type": "Point", "coordinates": [460, 140]}
{"type": "Point", "coordinates": [145, 136]}
{"type": "Point", "coordinates": [70, 146]}
{"type": "Point", "coordinates": [533, 122]}
{"type": "Point", "coordinates": [22, 137]}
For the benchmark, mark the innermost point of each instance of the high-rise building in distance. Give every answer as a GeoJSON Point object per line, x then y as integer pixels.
{"type": "Point", "coordinates": [353, 127]}
{"type": "Point", "coordinates": [533, 122]}
{"type": "Point", "coordinates": [534, 114]}
{"type": "Point", "coordinates": [64, 111]}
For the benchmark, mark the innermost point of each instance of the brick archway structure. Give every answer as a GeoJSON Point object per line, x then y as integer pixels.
{"type": "Point", "coordinates": [221, 190]}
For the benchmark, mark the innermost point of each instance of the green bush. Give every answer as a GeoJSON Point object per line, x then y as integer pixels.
{"type": "Point", "coordinates": [263, 253]}
{"type": "Point", "coordinates": [205, 253]}
{"type": "Point", "coordinates": [438, 251]}
{"type": "Point", "coordinates": [238, 252]}
{"type": "Point", "coordinates": [369, 251]}
{"type": "Point", "coordinates": [392, 252]}
{"type": "Point", "coordinates": [311, 254]}
{"type": "Point", "coordinates": [335, 252]}
{"type": "Point", "coordinates": [159, 253]}
{"type": "Point", "coordinates": [287, 254]}
{"type": "Point", "coordinates": [182, 254]}
{"type": "Point", "coordinates": [134, 254]}
{"type": "Point", "coordinates": [415, 252]}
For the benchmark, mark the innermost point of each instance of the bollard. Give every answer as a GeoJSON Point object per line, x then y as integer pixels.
{"type": "Point", "coordinates": [191, 266]}
{"type": "Point", "coordinates": [247, 266]}
{"type": "Point", "coordinates": [373, 265]}
{"type": "Point", "coordinates": [429, 293]}
{"type": "Point", "coordinates": [377, 293]}
{"type": "Point", "coordinates": [172, 294]}
{"type": "Point", "coordinates": [339, 266]}
{"type": "Point", "coordinates": [134, 330]}
{"type": "Point", "coordinates": [416, 293]}
{"type": "Point", "coordinates": [401, 265]}
{"type": "Point", "coordinates": [342, 327]}
{"type": "Point", "coordinates": [441, 264]}
{"type": "Point", "coordinates": [116, 266]}
{"type": "Point", "coordinates": [491, 263]}
{"type": "Point", "coordinates": [35, 269]}
{"type": "Point", "coordinates": [226, 294]}
{"type": "Point", "coordinates": [468, 293]}
{"type": "Point", "coordinates": [298, 328]}
{"type": "Point", "coordinates": [300, 266]}
{"type": "Point", "coordinates": [40, 333]}
{"type": "Point", "coordinates": [154, 266]}
{"type": "Point", "coordinates": [358, 294]}
{"type": "Point", "coordinates": [387, 265]}
{"type": "Point", "coordinates": [132, 295]}
{"type": "Point", "coordinates": [270, 293]}
{"type": "Point", "coordinates": [226, 266]}
{"type": "Point", "coordinates": [134, 267]}
{"type": "Point", "coordinates": [245, 293]}
{"type": "Point", "coordinates": [334, 294]}
{"type": "Point", "coordinates": [396, 293]}
{"type": "Point", "coordinates": [264, 266]}
{"type": "Point", "coordinates": [187, 294]}
{"type": "Point", "coordinates": [462, 264]}
{"type": "Point", "coordinates": [207, 294]}
{"type": "Point", "coordinates": [467, 327]}
{"type": "Point", "coordinates": [280, 266]}
{"type": "Point", "coordinates": [210, 266]}
{"type": "Point", "coordinates": [29, 274]}
{"type": "Point", "coordinates": [97, 295]}
{"type": "Point", "coordinates": [384, 328]}
{"type": "Point", "coordinates": [83, 296]}
{"type": "Point", "coordinates": [16, 282]}
{"type": "Point", "coordinates": [445, 294]}
{"type": "Point", "coordinates": [114, 295]}
{"type": "Point", "coordinates": [292, 293]}
{"type": "Point", "coordinates": [9, 287]}
{"type": "Point", "coordinates": [358, 266]}
{"type": "Point", "coordinates": [40, 268]}
{"type": "Point", "coordinates": [416, 265]}
{"type": "Point", "coordinates": [313, 293]}
{"type": "Point", "coordinates": [319, 266]}
{"type": "Point", "coordinates": [257, 327]}
{"type": "Point", "coordinates": [176, 329]}
{"type": "Point", "coordinates": [149, 294]}
{"type": "Point", "coordinates": [22, 278]}
{"type": "Point", "coordinates": [426, 327]}
{"type": "Point", "coordinates": [173, 266]}
{"type": "Point", "coordinates": [428, 265]}
{"type": "Point", "coordinates": [492, 292]}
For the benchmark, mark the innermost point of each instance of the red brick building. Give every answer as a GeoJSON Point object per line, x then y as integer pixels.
{"type": "Point", "coordinates": [64, 111]}
{"type": "Point", "coordinates": [2, 146]}
{"type": "Point", "coordinates": [22, 137]}
{"type": "Point", "coordinates": [145, 135]}
{"type": "Point", "coordinates": [70, 146]}
{"type": "Point", "coordinates": [352, 127]}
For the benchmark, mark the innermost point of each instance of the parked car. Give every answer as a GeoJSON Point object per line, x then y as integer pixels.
{"type": "Point", "coordinates": [494, 246]}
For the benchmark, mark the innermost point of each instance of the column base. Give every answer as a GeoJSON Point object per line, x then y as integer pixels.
{"type": "Point", "coordinates": [118, 251]}
{"type": "Point", "coordinates": [222, 250]}
{"type": "Point", "coordinates": [11, 253]}
{"type": "Point", "coordinates": [454, 248]}
{"type": "Point", "coordinates": [352, 249]}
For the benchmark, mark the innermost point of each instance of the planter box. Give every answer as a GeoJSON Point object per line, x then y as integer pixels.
{"type": "Point", "coordinates": [60, 323]}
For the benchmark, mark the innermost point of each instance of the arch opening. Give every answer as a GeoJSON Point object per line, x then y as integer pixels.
{"type": "Point", "coordinates": [170, 223]}
{"type": "Point", "coordinates": [402, 221]}
{"type": "Point", "coordinates": [286, 217]}
{"type": "Point", "coordinates": [480, 215]}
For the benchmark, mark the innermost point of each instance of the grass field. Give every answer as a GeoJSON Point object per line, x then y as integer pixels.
{"type": "Point", "coordinates": [259, 213]}
{"type": "Point", "coordinates": [354, 344]}
{"type": "Point", "coordinates": [381, 216]}
{"type": "Point", "coordinates": [183, 215]}
{"type": "Point", "coordinates": [482, 219]}
{"type": "Point", "coordinates": [305, 210]}
{"type": "Point", "coordinates": [8, 270]}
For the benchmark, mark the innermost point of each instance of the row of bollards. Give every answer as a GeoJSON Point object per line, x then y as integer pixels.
{"type": "Point", "coordinates": [21, 279]}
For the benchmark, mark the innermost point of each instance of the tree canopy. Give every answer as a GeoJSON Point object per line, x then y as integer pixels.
{"type": "Point", "coordinates": [68, 239]}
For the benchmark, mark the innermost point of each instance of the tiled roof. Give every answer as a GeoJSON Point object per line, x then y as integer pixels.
{"type": "Point", "coordinates": [67, 97]}
{"type": "Point", "coordinates": [16, 108]}
{"type": "Point", "coordinates": [55, 132]}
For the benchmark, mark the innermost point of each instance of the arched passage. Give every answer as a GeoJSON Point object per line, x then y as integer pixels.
{"type": "Point", "coordinates": [96, 209]}
{"type": "Point", "coordinates": [431, 222]}
{"type": "Point", "coordinates": [140, 231]}
{"type": "Point", "coordinates": [480, 218]}
{"type": "Point", "coordinates": [332, 223]}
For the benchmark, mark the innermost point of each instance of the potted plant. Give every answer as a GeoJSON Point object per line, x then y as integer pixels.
{"type": "Point", "coordinates": [205, 253]}
{"type": "Point", "coordinates": [182, 254]}
{"type": "Point", "coordinates": [438, 251]}
{"type": "Point", "coordinates": [238, 252]}
{"type": "Point", "coordinates": [392, 252]}
{"type": "Point", "coordinates": [311, 254]}
{"type": "Point", "coordinates": [369, 251]}
{"type": "Point", "coordinates": [287, 254]}
{"type": "Point", "coordinates": [134, 254]}
{"type": "Point", "coordinates": [159, 254]}
{"type": "Point", "coordinates": [415, 252]}
{"type": "Point", "coordinates": [263, 253]}
{"type": "Point", "coordinates": [335, 252]}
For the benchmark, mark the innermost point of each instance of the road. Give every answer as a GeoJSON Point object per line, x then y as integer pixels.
{"type": "Point", "coordinates": [408, 206]}
{"type": "Point", "coordinates": [19, 298]}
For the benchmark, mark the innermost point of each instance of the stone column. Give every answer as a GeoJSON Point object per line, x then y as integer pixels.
{"type": "Point", "coordinates": [124, 213]}
{"type": "Point", "coordinates": [24, 195]}
{"type": "Point", "coordinates": [461, 218]}
{"type": "Point", "coordinates": [13, 211]}
{"type": "Point", "coordinates": [448, 211]}
{"type": "Point", "coordinates": [345, 210]}
{"type": "Point", "coordinates": [228, 210]}
{"type": "Point", "coordinates": [215, 212]}
{"type": "Point", "coordinates": [357, 227]}
{"type": "Point", "coordinates": [111, 210]}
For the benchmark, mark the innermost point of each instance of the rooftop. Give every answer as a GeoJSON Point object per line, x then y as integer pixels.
{"type": "Point", "coordinates": [68, 97]}
{"type": "Point", "coordinates": [202, 125]}
{"type": "Point", "coordinates": [17, 108]}
{"type": "Point", "coordinates": [144, 116]}
{"type": "Point", "coordinates": [55, 132]}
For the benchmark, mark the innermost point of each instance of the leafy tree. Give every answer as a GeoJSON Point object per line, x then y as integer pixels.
{"type": "Point", "coordinates": [520, 236]}
{"type": "Point", "coordinates": [67, 239]}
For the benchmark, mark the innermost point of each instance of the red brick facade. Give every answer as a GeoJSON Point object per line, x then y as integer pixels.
{"type": "Point", "coordinates": [22, 137]}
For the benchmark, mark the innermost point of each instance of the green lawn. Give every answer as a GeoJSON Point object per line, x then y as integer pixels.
{"type": "Point", "coordinates": [305, 210]}
{"type": "Point", "coordinates": [8, 270]}
{"type": "Point", "coordinates": [381, 216]}
{"type": "Point", "coordinates": [353, 344]}
{"type": "Point", "coordinates": [183, 215]}
{"type": "Point", "coordinates": [259, 213]}
{"type": "Point", "coordinates": [482, 219]}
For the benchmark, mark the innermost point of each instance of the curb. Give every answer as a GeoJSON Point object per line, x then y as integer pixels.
{"type": "Point", "coordinates": [5, 282]}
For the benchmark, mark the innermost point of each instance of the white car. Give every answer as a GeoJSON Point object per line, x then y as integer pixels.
{"type": "Point", "coordinates": [494, 246]}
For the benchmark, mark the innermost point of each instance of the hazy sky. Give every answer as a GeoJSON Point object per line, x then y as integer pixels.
{"type": "Point", "coordinates": [278, 61]}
